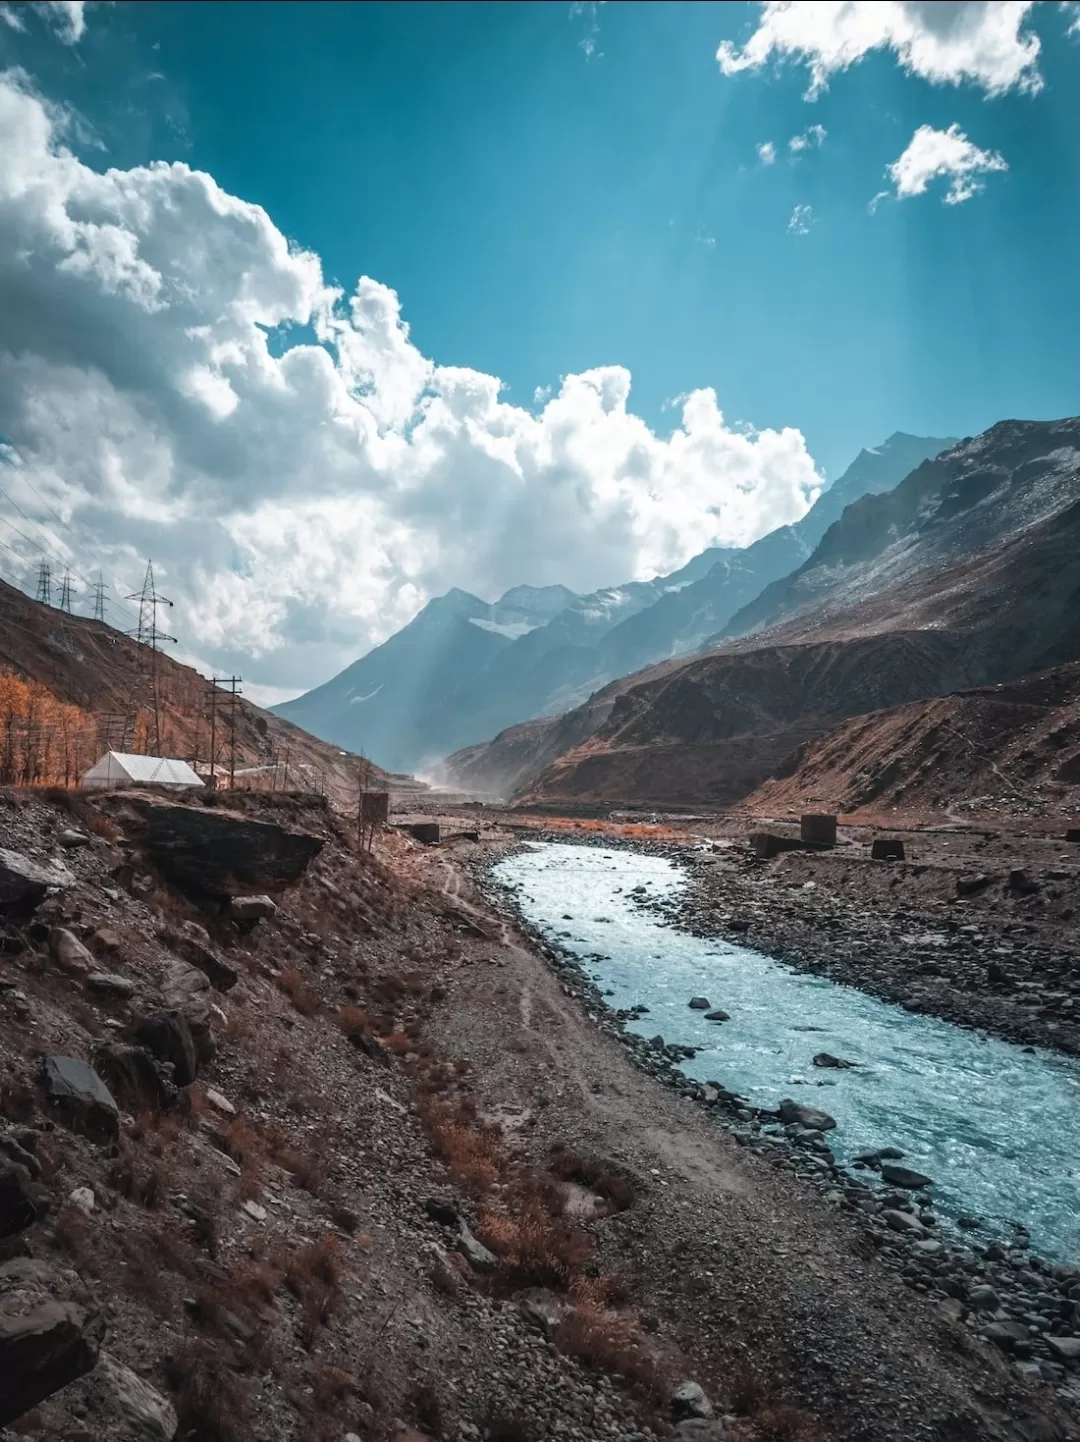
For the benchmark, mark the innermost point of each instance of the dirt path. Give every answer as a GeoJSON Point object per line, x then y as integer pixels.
{"type": "Point", "coordinates": [734, 1260]}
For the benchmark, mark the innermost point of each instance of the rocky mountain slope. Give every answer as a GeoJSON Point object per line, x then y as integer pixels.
{"type": "Point", "coordinates": [1013, 748]}
{"type": "Point", "coordinates": [971, 576]}
{"type": "Point", "coordinates": [437, 685]}
{"type": "Point", "coordinates": [973, 498]}
{"type": "Point", "coordinates": [107, 674]}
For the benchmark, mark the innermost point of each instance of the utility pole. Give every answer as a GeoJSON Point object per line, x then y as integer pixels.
{"type": "Point", "coordinates": [233, 683]}
{"type": "Point", "coordinates": [44, 584]}
{"type": "Point", "coordinates": [67, 590]}
{"type": "Point", "coordinates": [100, 587]}
{"type": "Point", "coordinates": [147, 634]}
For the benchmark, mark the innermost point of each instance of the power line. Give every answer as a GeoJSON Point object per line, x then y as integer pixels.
{"type": "Point", "coordinates": [36, 544]}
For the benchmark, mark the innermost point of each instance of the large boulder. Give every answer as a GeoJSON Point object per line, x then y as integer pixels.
{"type": "Point", "coordinates": [193, 945]}
{"type": "Point", "coordinates": [50, 1334]}
{"type": "Point", "coordinates": [148, 1415]}
{"type": "Point", "coordinates": [134, 1077]}
{"type": "Point", "coordinates": [187, 989]}
{"type": "Point", "coordinates": [24, 884]}
{"type": "Point", "coordinates": [68, 952]}
{"type": "Point", "coordinates": [221, 853]}
{"type": "Point", "coordinates": [18, 1204]}
{"type": "Point", "coordinates": [812, 1117]}
{"type": "Point", "coordinates": [167, 1036]}
{"type": "Point", "coordinates": [81, 1099]}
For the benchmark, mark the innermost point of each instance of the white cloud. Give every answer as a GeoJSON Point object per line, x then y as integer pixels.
{"type": "Point", "coordinates": [303, 493]}
{"type": "Point", "coordinates": [767, 152]}
{"type": "Point", "coordinates": [802, 218]}
{"type": "Point", "coordinates": [932, 154]}
{"type": "Point", "coordinates": [1072, 11]}
{"type": "Point", "coordinates": [813, 137]}
{"type": "Point", "coordinates": [983, 42]}
{"type": "Point", "coordinates": [11, 17]}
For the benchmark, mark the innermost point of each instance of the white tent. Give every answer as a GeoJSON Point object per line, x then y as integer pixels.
{"type": "Point", "coordinates": [116, 768]}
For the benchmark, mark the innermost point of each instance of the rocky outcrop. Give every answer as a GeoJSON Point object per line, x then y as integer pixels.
{"type": "Point", "coordinates": [220, 853]}
{"type": "Point", "coordinates": [24, 884]}
{"type": "Point", "coordinates": [81, 1100]}
{"type": "Point", "coordinates": [134, 1077]}
{"type": "Point", "coordinates": [50, 1334]}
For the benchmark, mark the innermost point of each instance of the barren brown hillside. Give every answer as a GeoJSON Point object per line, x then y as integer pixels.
{"type": "Point", "coordinates": [103, 671]}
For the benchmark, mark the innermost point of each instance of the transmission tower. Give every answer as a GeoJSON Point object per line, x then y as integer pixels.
{"type": "Point", "coordinates": [44, 584]}
{"type": "Point", "coordinates": [100, 587]}
{"type": "Point", "coordinates": [67, 590]}
{"type": "Point", "coordinates": [148, 636]}
{"type": "Point", "coordinates": [233, 683]}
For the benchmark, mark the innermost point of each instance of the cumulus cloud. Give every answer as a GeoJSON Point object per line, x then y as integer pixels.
{"type": "Point", "coordinates": [934, 154]}
{"type": "Point", "coordinates": [812, 138]}
{"type": "Point", "coordinates": [983, 42]}
{"type": "Point", "coordinates": [177, 380]}
{"type": "Point", "coordinates": [767, 152]}
{"type": "Point", "coordinates": [66, 18]}
{"type": "Point", "coordinates": [802, 218]}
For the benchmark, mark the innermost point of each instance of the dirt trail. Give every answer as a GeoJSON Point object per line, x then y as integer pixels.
{"type": "Point", "coordinates": [737, 1262]}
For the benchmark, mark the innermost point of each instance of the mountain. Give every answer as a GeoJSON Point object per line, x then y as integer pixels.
{"type": "Point", "coordinates": [1014, 746]}
{"type": "Point", "coordinates": [977, 495]}
{"type": "Point", "coordinates": [967, 574]}
{"type": "Point", "coordinates": [437, 685]}
{"type": "Point", "coordinates": [396, 703]}
{"type": "Point", "coordinates": [682, 620]}
{"type": "Point", "coordinates": [87, 664]}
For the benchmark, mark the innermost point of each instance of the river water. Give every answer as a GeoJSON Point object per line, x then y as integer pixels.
{"type": "Point", "coordinates": [998, 1129]}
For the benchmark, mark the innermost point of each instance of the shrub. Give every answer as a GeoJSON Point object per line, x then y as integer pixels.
{"type": "Point", "coordinates": [534, 1248]}
{"type": "Point", "coordinates": [212, 1404]}
{"type": "Point", "coordinates": [292, 983]}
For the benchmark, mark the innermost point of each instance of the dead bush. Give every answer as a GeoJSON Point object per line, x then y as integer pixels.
{"type": "Point", "coordinates": [246, 1147]}
{"type": "Point", "coordinates": [142, 1184]}
{"type": "Point", "coordinates": [212, 1404]}
{"type": "Point", "coordinates": [354, 1021]}
{"type": "Point", "coordinates": [292, 983]}
{"type": "Point", "coordinates": [18, 1101]}
{"type": "Point", "coordinates": [255, 1283]}
{"type": "Point", "coordinates": [473, 1157]}
{"type": "Point", "coordinates": [313, 1275]}
{"type": "Point", "coordinates": [330, 1387]}
{"type": "Point", "coordinates": [603, 1178]}
{"type": "Point", "coordinates": [534, 1248]}
{"type": "Point", "coordinates": [612, 1341]}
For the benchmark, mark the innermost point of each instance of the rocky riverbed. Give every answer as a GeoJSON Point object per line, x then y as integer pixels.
{"type": "Point", "coordinates": [998, 1290]}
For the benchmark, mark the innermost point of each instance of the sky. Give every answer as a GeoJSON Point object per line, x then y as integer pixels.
{"type": "Point", "coordinates": [329, 307]}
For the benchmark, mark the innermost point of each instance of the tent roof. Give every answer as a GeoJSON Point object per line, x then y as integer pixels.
{"type": "Point", "coordinates": [164, 770]}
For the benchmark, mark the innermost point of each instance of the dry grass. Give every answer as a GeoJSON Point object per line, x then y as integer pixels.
{"type": "Point", "coordinates": [473, 1158]}
{"type": "Point", "coordinates": [313, 1275]}
{"type": "Point", "coordinates": [355, 1022]}
{"type": "Point", "coordinates": [534, 1248]}
{"type": "Point", "coordinates": [612, 1341]}
{"type": "Point", "coordinates": [144, 1184]}
{"type": "Point", "coordinates": [291, 981]}
{"type": "Point", "coordinates": [212, 1404]}
{"type": "Point", "coordinates": [305, 1168]}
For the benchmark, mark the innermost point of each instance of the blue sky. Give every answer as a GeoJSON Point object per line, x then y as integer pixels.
{"type": "Point", "coordinates": [540, 211]}
{"type": "Point", "coordinates": [553, 188]}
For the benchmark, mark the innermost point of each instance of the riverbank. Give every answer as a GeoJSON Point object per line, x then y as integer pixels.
{"type": "Point", "coordinates": [980, 925]}
{"type": "Point", "coordinates": [727, 1252]}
